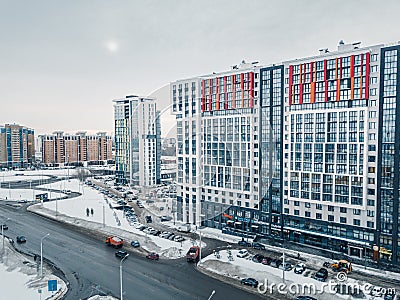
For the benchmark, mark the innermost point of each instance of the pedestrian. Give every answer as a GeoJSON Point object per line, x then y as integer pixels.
{"type": "Point", "coordinates": [91, 211]}
{"type": "Point", "coordinates": [298, 255]}
{"type": "Point", "coordinates": [87, 212]}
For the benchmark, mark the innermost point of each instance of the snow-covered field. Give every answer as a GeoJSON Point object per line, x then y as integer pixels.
{"type": "Point", "coordinates": [26, 173]}
{"type": "Point", "coordinates": [75, 211]}
{"type": "Point", "coordinates": [26, 194]}
{"type": "Point", "coordinates": [19, 278]}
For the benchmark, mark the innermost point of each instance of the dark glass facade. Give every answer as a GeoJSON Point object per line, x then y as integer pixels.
{"type": "Point", "coordinates": [389, 149]}
{"type": "Point", "coordinates": [271, 154]}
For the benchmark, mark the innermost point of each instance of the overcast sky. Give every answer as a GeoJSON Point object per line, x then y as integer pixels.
{"type": "Point", "coordinates": [62, 62]}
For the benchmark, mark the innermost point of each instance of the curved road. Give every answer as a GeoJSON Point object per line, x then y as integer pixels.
{"type": "Point", "coordinates": [87, 262]}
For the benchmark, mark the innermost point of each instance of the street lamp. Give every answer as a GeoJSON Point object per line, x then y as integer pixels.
{"type": "Point", "coordinates": [41, 254]}
{"type": "Point", "coordinates": [2, 235]}
{"type": "Point", "coordinates": [212, 294]}
{"type": "Point", "coordinates": [120, 275]}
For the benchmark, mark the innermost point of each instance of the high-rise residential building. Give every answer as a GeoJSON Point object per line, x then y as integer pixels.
{"type": "Point", "coordinates": [60, 148]}
{"type": "Point", "coordinates": [137, 141]}
{"type": "Point", "coordinates": [312, 158]}
{"type": "Point", "coordinates": [217, 147]}
{"type": "Point", "coordinates": [186, 105]}
{"type": "Point", "coordinates": [17, 145]}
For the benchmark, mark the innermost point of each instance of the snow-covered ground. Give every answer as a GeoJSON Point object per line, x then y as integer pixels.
{"type": "Point", "coordinates": [19, 278]}
{"type": "Point", "coordinates": [26, 194]}
{"type": "Point", "coordinates": [75, 211]}
{"type": "Point", "coordinates": [55, 172]}
{"type": "Point", "coordinates": [267, 275]}
{"type": "Point", "coordinates": [14, 177]}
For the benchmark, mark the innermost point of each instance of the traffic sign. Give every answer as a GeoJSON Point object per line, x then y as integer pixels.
{"type": "Point", "coordinates": [52, 285]}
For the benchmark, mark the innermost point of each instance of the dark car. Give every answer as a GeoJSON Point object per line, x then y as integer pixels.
{"type": "Point", "coordinates": [266, 260]}
{"type": "Point", "coordinates": [305, 298]}
{"type": "Point", "coordinates": [21, 239]}
{"type": "Point", "coordinates": [5, 226]}
{"type": "Point", "coordinates": [135, 244]}
{"type": "Point", "coordinates": [121, 253]}
{"type": "Point", "coordinates": [244, 243]}
{"type": "Point", "coordinates": [149, 219]}
{"type": "Point", "coordinates": [321, 275]}
{"type": "Point", "coordinates": [275, 263]}
{"type": "Point", "coordinates": [153, 256]}
{"type": "Point", "coordinates": [249, 281]}
{"type": "Point", "coordinates": [258, 258]}
{"type": "Point", "coordinates": [258, 246]}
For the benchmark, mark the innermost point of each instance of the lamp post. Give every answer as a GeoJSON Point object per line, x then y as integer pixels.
{"type": "Point", "coordinates": [2, 235]}
{"type": "Point", "coordinates": [212, 294]}
{"type": "Point", "coordinates": [120, 276]}
{"type": "Point", "coordinates": [41, 254]}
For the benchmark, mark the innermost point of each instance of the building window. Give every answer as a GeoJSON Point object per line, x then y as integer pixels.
{"type": "Point", "coordinates": [343, 220]}
{"type": "Point", "coordinates": [318, 216]}
{"type": "Point", "coordinates": [356, 222]}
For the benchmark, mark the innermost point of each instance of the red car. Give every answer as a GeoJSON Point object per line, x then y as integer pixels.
{"type": "Point", "coordinates": [153, 256]}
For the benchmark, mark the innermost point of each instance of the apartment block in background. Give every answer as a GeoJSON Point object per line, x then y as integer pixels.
{"type": "Point", "coordinates": [137, 141]}
{"type": "Point", "coordinates": [59, 148]}
{"type": "Point", "coordinates": [17, 145]}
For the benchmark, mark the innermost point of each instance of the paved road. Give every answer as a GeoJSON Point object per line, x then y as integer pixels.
{"type": "Point", "coordinates": [86, 262]}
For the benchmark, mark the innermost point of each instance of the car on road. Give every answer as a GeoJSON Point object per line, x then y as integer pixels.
{"type": "Point", "coordinates": [149, 219]}
{"type": "Point", "coordinates": [5, 226]}
{"type": "Point", "coordinates": [165, 218]}
{"type": "Point", "coordinates": [244, 243]}
{"type": "Point", "coordinates": [249, 281]}
{"type": "Point", "coordinates": [299, 268]}
{"type": "Point", "coordinates": [258, 246]}
{"type": "Point", "coordinates": [21, 239]}
{"type": "Point", "coordinates": [121, 253]}
{"type": "Point", "coordinates": [258, 258]}
{"type": "Point", "coordinates": [321, 275]}
{"type": "Point", "coordinates": [305, 298]}
{"type": "Point", "coordinates": [266, 260]}
{"type": "Point", "coordinates": [242, 253]}
{"type": "Point", "coordinates": [153, 256]}
{"type": "Point", "coordinates": [135, 244]}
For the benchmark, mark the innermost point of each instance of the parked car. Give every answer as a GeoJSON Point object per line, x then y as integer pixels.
{"type": "Point", "coordinates": [376, 291]}
{"type": "Point", "coordinates": [135, 244]}
{"type": "Point", "coordinates": [305, 298]}
{"type": "Point", "coordinates": [244, 243]}
{"type": "Point", "coordinates": [171, 237]}
{"type": "Point", "coordinates": [5, 226]}
{"type": "Point", "coordinates": [165, 218]}
{"type": "Point", "coordinates": [321, 275]}
{"type": "Point", "coordinates": [121, 253]}
{"type": "Point", "coordinates": [153, 256]}
{"type": "Point", "coordinates": [258, 258]}
{"type": "Point", "coordinates": [243, 253]}
{"type": "Point", "coordinates": [249, 281]}
{"type": "Point", "coordinates": [21, 239]}
{"type": "Point", "coordinates": [149, 219]}
{"type": "Point", "coordinates": [266, 261]}
{"type": "Point", "coordinates": [299, 268]}
{"type": "Point", "coordinates": [286, 266]}
{"type": "Point", "coordinates": [258, 246]}
{"type": "Point", "coordinates": [275, 263]}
